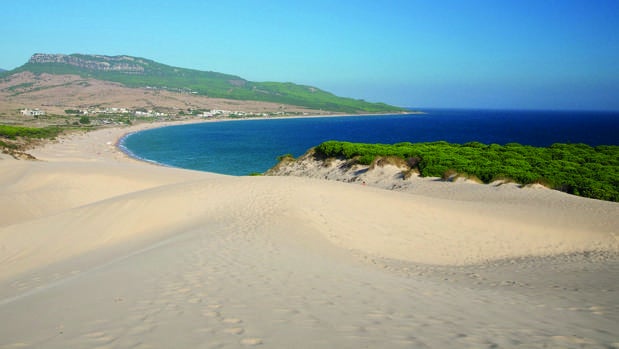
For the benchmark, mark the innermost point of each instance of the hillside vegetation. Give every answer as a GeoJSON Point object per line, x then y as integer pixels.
{"type": "Point", "coordinates": [13, 132]}
{"type": "Point", "coordinates": [14, 140]}
{"type": "Point", "coordinates": [577, 169]}
{"type": "Point", "coordinates": [140, 72]}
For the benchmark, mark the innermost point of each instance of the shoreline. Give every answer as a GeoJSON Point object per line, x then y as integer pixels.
{"type": "Point", "coordinates": [118, 142]}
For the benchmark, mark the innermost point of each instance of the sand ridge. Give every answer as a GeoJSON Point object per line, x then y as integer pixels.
{"type": "Point", "coordinates": [100, 250]}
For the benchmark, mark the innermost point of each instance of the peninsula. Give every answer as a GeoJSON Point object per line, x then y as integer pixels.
{"type": "Point", "coordinates": [61, 86]}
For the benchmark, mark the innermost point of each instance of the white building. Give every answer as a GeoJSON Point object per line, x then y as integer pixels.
{"type": "Point", "coordinates": [32, 112]}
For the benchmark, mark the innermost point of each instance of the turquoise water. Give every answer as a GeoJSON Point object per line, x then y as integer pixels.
{"type": "Point", "coordinates": [247, 146]}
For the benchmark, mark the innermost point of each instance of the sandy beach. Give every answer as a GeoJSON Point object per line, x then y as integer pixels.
{"type": "Point", "coordinates": [98, 250]}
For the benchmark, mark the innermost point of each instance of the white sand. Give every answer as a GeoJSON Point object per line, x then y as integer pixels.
{"type": "Point", "coordinates": [101, 251]}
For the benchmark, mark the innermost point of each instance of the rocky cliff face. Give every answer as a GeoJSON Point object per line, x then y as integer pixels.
{"type": "Point", "coordinates": [94, 62]}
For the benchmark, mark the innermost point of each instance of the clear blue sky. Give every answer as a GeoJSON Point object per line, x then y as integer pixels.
{"type": "Point", "coordinates": [523, 54]}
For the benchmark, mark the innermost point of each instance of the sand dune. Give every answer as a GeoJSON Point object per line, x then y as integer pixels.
{"type": "Point", "coordinates": [101, 251]}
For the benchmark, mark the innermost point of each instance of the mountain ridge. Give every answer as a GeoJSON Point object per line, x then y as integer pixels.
{"type": "Point", "coordinates": [145, 73]}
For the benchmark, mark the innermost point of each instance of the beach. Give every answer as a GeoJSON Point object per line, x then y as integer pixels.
{"type": "Point", "coordinates": [99, 250]}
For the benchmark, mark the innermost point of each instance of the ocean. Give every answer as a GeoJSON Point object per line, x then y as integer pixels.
{"type": "Point", "coordinates": [242, 147]}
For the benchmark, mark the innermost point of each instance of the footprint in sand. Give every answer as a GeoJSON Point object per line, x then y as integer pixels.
{"type": "Point", "coordinates": [194, 300]}
{"type": "Point", "coordinates": [581, 341]}
{"type": "Point", "coordinates": [234, 330]}
{"type": "Point", "coordinates": [597, 310]}
{"type": "Point", "coordinates": [141, 329]}
{"type": "Point", "coordinates": [232, 321]}
{"type": "Point", "coordinates": [18, 345]}
{"type": "Point", "coordinates": [251, 341]}
{"type": "Point", "coordinates": [99, 337]}
{"type": "Point", "coordinates": [286, 311]}
{"type": "Point", "coordinates": [211, 314]}
{"type": "Point", "coordinates": [204, 330]}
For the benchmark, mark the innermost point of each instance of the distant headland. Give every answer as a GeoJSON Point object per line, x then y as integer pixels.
{"type": "Point", "coordinates": [58, 82]}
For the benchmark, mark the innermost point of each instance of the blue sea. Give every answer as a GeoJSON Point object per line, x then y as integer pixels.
{"type": "Point", "coordinates": [241, 147]}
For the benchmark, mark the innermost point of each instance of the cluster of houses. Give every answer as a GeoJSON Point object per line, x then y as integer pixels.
{"type": "Point", "coordinates": [99, 111]}
{"type": "Point", "coordinates": [32, 112]}
{"type": "Point", "coordinates": [217, 112]}
{"type": "Point", "coordinates": [112, 110]}
{"type": "Point", "coordinates": [150, 113]}
{"type": "Point", "coordinates": [94, 111]}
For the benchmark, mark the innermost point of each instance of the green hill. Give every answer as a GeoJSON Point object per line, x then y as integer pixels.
{"type": "Point", "coordinates": [141, 72]}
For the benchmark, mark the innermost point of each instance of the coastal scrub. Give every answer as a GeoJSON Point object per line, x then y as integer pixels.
{"type": "Point", "coordinates": [577, 169]}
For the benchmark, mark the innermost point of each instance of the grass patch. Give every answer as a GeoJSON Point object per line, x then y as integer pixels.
{"type": "Point", "coordinates": [388, 160]}
{"type": "Point", "coordinates": [285, 157]}
{"type": "Point", "coordinates": [9, 146]}
{"type": "Point", "coordinates": [12, 132]}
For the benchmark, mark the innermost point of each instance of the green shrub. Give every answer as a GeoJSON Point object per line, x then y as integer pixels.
{"type": "Point", "coordinates": [12, 132]}
{"type": "Point", "coordinates": [8, 145]}
{"type": "Point", "coordinates": [574, 168]}
{"type": "Point", "coordinates": [285, 157]}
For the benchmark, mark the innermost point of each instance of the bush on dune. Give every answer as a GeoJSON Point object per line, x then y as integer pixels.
{"type": "Point", "coordinates": [577, 169]}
